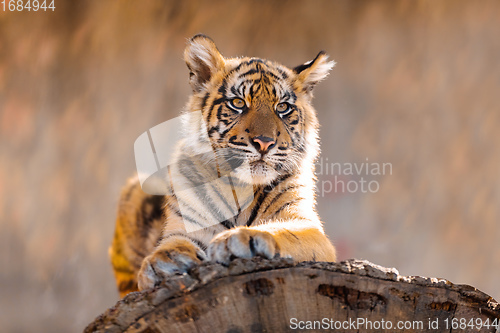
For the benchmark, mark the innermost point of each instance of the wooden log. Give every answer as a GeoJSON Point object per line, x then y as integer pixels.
{"type": "Point", "coordinates": [278, 296]}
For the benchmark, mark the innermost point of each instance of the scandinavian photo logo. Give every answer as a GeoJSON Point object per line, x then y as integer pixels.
{"type": "Point", "coordinates": [350, 177]}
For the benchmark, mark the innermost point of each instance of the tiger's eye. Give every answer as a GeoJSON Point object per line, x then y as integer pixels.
{"type": "Point", "coordinates": [238, 103]}
{"type": "Point", "coordinates": [282, 107]}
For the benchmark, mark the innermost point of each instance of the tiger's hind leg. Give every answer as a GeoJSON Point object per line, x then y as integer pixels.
{"type": "Point", "coordinates": [126, 280]}
{"type": "Point", "coordinates": [138, 230]}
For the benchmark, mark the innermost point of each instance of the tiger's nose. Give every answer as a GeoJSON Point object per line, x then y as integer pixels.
{"type": "Point", "coordinates": [263, 143]}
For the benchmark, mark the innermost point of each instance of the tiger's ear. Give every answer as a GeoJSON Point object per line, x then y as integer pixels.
{"type": "Point", "coordinates": [313, 71]}
{"type": "Point", "coordinates": [203, 60]}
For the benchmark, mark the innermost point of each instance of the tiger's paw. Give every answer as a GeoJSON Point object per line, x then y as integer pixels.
{"type": "Point", "coordinates": [242, 243]}
{"type": "Point", "coordinates": [177, 257]}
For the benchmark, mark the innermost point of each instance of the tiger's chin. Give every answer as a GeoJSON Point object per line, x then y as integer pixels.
{"type": "Point", "coordinates": [256, 173]}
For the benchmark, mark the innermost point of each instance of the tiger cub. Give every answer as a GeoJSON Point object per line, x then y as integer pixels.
{"type": "Point", "coordinates": [256, 115]}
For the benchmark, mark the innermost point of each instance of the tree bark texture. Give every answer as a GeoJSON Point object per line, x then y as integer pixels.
{"type": "Point", "coordinates": [279, 296]}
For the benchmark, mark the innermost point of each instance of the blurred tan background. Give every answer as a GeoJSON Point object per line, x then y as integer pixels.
{"type": "Point", "coordinates": [417, 85]}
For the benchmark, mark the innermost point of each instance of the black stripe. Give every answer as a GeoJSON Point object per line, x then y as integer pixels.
{"type": "Point", "coordinates": [151, 210]}
{"type": "Point", "coordinates": [255, 209]}
{"type": "Point", "coordinates": [289, 134]}
{"type": "Point", "coordinates": [291, 233]}
{"type": "Point", "coordinates": [279, 195]}
{"type": "Point", "coordinates": [127, 285]}
{"type": "Point", "coordinates": [219, 112]}
{"type": "Point", "coordinates": [186, 168]}
{"type": "Point", "coordinates": [192, 220]}
{"type": "Point", "coordinates": [250, 72]}
{"type": "Point", "coordinates": [255, 60]}
{"type": "Point", "coordinates": [207, 201]}
{"type": "Point", "coordinates": [222, 88]}
{"type": "Point", "coordinates": [200, 191]}
{"type": "Point", "coordinates": [224, 121]}
{"type": "Point", "coordinates": [198, 242]}
{"type": "Point", "coordinates": [222, 198]}
{"type": "Point", "coordinates": [174, 209]}
{"type": "Point", "coordinates": [271, 74]}
{"type": "Point", "coordinates": [231, 140]}
{"type": "Point", "coordinates": [262, 196]}
{"type": "Point", "coordinates": [191, 209]}
{"type": "Point", "coordinates": [218, 101]}
{"type": "Point", "coordinates": [210, 112]}
{"type": "Point", "coordinates": [213, 130]}
{"type": "Point", "coordinates": [227, 129]}
{"type": "Point", "coordinates": [265, 79]}
{"type": "Point", "coordinates": [268, 90]}
{"type": "Point", "coordinates": [300, 113]}
{"type": "Point", "coordinates": [242, 149]}
{"type": "Point", "coordinates": [241, 87]}
{"type": "Point", "coordinates": [277, 181]}
{"type": "Point", "coordinates": [204, 100]}
{"type": "Point", "coordinates": [283, 74]}
{"type": "Point", "coordinates": [305, 66]}
{"type": "Point", "coordinates": [233, 90]}
{"type": "Point", "coordinates": [286, 205]}
{"type": "Point", "coordinates": [227, 224]}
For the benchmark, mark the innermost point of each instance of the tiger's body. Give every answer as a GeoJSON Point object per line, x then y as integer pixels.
{"type": "Point", "coordinates": [257, 116]}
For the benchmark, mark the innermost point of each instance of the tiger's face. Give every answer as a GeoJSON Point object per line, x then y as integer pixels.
{"type": "Point", "coordinates": [256, 113]}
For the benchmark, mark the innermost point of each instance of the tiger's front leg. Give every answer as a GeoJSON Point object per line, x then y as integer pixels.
{"type": "Point", "coordinates": [297, 239]}
{"type": "Point", "coordinates": [175, 255]}
{"type": "Point", "coordinates": [242, 243]}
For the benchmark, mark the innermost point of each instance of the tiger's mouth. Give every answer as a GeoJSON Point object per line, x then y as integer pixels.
{"type": "Point", "coordinates": [260, 167]}
{"type": "Point", "coordinates": [255, 170]}
{"type": "Point", "coordinates": [260, 172]}
{"type": "Point", "coordinates": [259, 162]}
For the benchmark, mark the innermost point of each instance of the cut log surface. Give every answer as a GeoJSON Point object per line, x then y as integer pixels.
{"type": "Point", "coordinates": [279, 296]}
